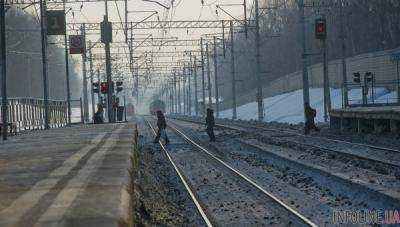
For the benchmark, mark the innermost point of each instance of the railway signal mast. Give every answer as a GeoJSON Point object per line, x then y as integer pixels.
{"type": "Point", "coordinates": [321, 34]}
{"type": "Point", "coordinates": [106, 38]}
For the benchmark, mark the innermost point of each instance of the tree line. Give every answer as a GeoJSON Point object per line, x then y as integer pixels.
{"type": "Point", "coordinates": [24, 60]}
{"type": "Point", "coordinates": [368, 26]}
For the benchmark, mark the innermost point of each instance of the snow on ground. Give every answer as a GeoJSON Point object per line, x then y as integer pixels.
{"type": "Point", "coordinates": [387, 98]}
{"type": "Point", "coordinates": [288, 107]}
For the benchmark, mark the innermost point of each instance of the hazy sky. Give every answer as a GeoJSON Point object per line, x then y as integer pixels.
{"type": "Point", "coordinates": [182, 10]}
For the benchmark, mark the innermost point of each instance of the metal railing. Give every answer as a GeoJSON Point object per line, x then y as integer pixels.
{"type": "Point", "coordinates": [376, 93]}
{"type": "Point", "coordinates": [28, 114]}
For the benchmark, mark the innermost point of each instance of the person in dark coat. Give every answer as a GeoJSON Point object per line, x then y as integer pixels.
{"type": "Point", "coordinates": [210, 123]}
{"type": "Point", "coordinates": [98, 116]}
{"type": "Point", "coordinates": [162, 125]}
{"type": "Point", "coordinates": [310, 115]}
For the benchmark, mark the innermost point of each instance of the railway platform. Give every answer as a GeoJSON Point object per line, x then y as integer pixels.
{"type": "Point", "coordinates": [366, 119]}
{"type": "Point", "coordinates": [74, 176]}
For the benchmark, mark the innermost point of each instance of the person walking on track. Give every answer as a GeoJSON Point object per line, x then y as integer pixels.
{"type": "Point", "coordinates": [210, 123]}
{"type": "Point", "coordinates": [310, 115]}
{"type": "Point", "coordinates": [162, 125]}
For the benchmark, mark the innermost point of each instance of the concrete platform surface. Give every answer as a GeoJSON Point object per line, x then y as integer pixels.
{"type": "Point", "coordinates": [370, 109]}
{"type": "Point", "coordinates": [381, 112]}
{"type": "Point", "coordinates": [75, 176]}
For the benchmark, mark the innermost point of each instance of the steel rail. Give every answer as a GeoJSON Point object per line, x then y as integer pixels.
{"type": "Point", "coordinates": [327, 139]}
{"type": "Point", "coordinates": [181, 176]}
{"type": "Point", "coordinates": [291, 132]}
{"type": "Point", "coordinates": [362, 157]}
{"type": "Point", "coordinates": [247, 179]}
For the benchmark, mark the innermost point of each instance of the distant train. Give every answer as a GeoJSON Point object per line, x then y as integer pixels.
{"type": "Point", "coordinates": [155, 106]}
{"type": "Point", "coordinates": [130, 110]}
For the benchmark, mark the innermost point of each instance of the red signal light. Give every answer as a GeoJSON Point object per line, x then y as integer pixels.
{"type": "Point", "coordinates": [320, 29]}
{"type": "Point", "coordinates": [104, 87]}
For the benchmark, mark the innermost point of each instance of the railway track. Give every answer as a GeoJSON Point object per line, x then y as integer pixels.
{"type": "Point", "coordinates": [188, 188]}
{"type": "Point", "coordinates": [282, 205]}
{"type": "Point", "coordinates": [331, 174]}
{"type": "Point", "coordinates": [387, 156]}
{"type": "Point", "coordinates": [292, 132]}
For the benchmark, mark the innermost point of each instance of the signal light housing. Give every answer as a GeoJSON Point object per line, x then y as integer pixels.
{"type": "Point", "coordinates": [320, 29]}
{"type": "Point", "coordinates": [119, 86]}
{"type": "Point", "coordinates": [357, 77]}
{"type": "Point", "coordinates": [95, 87]}
{"type": "Point", "coordinates": [369, 77]}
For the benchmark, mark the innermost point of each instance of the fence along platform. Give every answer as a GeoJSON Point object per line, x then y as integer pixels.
{"type": "Point", "coordinates": [28, 113]}
{"type": "Point", "coordinates": [366, 119]}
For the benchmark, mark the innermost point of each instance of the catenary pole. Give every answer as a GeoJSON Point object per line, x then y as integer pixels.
{"type": "Point", "coordinates": [91, 79]}
{"type": "Point", "coordinates": [67, 76]}
{"type": "Point", "coordinates": [327, 93]}
{"type": "Point", "coordinates": [234, 114]}
{"type": "Point", "coordinates": [98, 81]}
{"type": "Point", "coordinates": [345, 94]}
{"type": "Point", "coordinates": [306, 93]}
{"type": "Point", "coordinates": [3, 65]}
{"type": "Point", "coordinates": [43, 10]}
{"type": "Point", "coordinates": [190, 71]}
{"type": "Point", "coordinates": [170, 105]}
{"type": "Point", "coordinates": [180, 93]}
{"type": "Point", "coordinates": [84, 78]}
{"type": "Point", "coordinates": [196, 99]}
{"type": "Point", "coordinates": [172, 96]}
{"type": "Point", "coordinates": [216, 77]}
{"type": "Point", "coordinates": [175, 94]}
{"type": "Point", "coordinates": [203, 93]}
{"type": "Point", "coordinates": [137, 83]}
{"type": "Point", "coordinates": [260, 103]}
{"type": "Point", "coordinates": [126, 20]}
{"type": "Point", "coordinates": [184, 90]}
{"type": "Point", "coordinates": [110, 110]}
{"type": "Point", "coordinates": [208, 77]}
